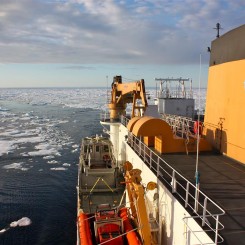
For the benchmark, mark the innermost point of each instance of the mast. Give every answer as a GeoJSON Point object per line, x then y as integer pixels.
{"type": "Point", "coordinates": [218, 27]}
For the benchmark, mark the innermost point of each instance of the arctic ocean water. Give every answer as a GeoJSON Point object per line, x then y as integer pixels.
{"type": "Point", "coordinates": [40, 133]}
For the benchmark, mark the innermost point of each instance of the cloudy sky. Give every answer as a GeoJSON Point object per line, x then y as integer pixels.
{"type": "Point", "coordinates": [86, 42]}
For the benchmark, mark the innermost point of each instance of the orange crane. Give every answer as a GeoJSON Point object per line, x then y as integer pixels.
{"type": "Point", "coordinates": [124, 93]}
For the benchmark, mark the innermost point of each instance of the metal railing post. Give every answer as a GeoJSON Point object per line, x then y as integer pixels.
{"type": "Point", "coordinates": [158, 166]}
{"type": "Point", "coordinates": [150, 158]}
{"type": "Point", "coordinates": [216, 229]}
{"type": "Point", "coordinates": [196, 198]}
{"type": "Point", "coordinates": [173, 182]}
{"type": "Point", "coordinates": [204, 211]}
{"type": "Point", "coordinates": [187, 195]}
{"type": "Point", "coordinates": [140, 146]}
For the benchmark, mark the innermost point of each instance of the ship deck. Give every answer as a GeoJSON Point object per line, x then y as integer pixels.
{"type": "Point", "coordinates": [223, 180]}
{"type": "Point", "coordinates": [100, 188]}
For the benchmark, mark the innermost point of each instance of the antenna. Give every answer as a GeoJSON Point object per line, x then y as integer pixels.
{"type": "Point", "coordinates": [218, 27]}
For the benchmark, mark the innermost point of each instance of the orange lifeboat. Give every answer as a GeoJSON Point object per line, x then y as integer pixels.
{"type": "Point", "coordinates": [131, 235]}
{"type": "Point", "coordinates": [84, 231]}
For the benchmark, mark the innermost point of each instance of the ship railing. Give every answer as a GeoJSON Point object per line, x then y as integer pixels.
{"type": "Point", "coordinates": [181, 126]}
{"type": "Point", "coordinates": [175, 94]}
{"type": "Point", "coordinates": [193, 199]}
{"type": "Point", "coordinates": [124, 121]}
{"type": "Point", "coordinates": [217, 239]}
{"type": "Point", "coordinates": [104, 116]}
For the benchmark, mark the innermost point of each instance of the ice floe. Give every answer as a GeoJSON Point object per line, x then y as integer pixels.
{"type": "Point", "coordinates": [58, 169]}
{"type": "Point", "coordinates": [6, 147]}
{"type": "Point", "coordinates": [66, 164]}
{"type": "Point", "coordinates": [52, 162]}
{"type": "Point", "coordinates": [48, 157]}
{"type": "Point", "coordinates": [46, 149]}
{"type": "Point", "coordinates": [25, 221]}
{"type": "Point", "coordinates": [16, 166]}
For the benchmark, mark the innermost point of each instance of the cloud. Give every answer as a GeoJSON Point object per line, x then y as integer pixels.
{"type": "Point", "coordinates": [110, 31]}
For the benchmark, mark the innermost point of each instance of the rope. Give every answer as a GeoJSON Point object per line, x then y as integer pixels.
{"type": "Point", "coordinates": [107, 185]}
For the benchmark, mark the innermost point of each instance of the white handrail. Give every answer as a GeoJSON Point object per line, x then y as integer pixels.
{"type": "Point", "coordinates": [217, 236]}
{"type": "Point", "coordinates": [179, 185]}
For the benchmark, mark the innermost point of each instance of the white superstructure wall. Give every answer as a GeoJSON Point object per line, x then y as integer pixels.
{"type": "Point", "coordinates": [176, 106]}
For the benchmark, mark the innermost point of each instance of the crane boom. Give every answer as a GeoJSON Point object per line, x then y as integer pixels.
{"type": "Point", "coordinates": [124, 93]}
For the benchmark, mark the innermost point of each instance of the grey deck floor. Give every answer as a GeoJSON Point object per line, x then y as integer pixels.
{"type": "Point", "coordinates": [223, 180]}
{"type": "Point", "coordinates": [100, 189]}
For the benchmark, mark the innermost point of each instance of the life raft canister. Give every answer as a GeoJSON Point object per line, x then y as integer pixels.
{"type": "Point", "coordinates": [198, 124]}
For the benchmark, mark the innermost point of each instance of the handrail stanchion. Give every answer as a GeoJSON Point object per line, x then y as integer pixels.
{"type": "Point", "coordinates": [140, 146]}
{"type": "Point", "coordinates": [186, 194]}
{"type": "Point", "coordinates": [173, 182]}
{"type": "Point", "coordinates": [150, 159]}
{"type": "Point", "coordinates": [204, 211]}
{"type": "Point", "coordinates": [158, 166]}
{"type": "Point", "coordinates": [216, 229]}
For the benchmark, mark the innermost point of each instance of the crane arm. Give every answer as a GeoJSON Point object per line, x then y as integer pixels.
{"type": "Point", "coordinates": [136, 196]}
{"type": "Point", "coordinates": [124, 93]}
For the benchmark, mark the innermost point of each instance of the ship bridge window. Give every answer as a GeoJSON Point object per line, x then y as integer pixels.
{"type": "Point", "coordinates": [106, 148]}
{"type": "Point", "coordinates": [97, 149]}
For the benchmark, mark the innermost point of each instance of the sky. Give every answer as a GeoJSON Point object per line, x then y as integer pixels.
{"type": "Point", "coordinates": [84, 43]}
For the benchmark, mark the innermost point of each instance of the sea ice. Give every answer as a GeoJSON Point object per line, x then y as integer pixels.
{"type": "Point", "coordinates": [59, 169]}
{"type": "Point", "coordinates": [25, 221]}
{"type": "Point", "coordinates": [15, 166]}
{"type": "Point", "coordinates": [66, 164]}
{"type": "Point", "coordinates": [6, 147]}
{"type": "Point", "coordinates": [44, 149]}
{"type": "Point", "coordinates": [53, 162]}
{"type": "Point", "coordinates": [48, 157]}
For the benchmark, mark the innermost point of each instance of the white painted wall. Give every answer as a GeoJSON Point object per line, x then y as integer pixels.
{"type": "Point", "coordinates": [180, 107]}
